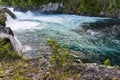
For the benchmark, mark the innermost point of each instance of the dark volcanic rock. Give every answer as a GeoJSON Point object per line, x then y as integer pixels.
{"type": "Point", "coordinates": [9, 12]}
{"type": "Point", "coordinates": [21, 9]}
{"type": "Point", "coordinates": [7, 30]}
{"type": "Point", "coordinates": [1, 26]}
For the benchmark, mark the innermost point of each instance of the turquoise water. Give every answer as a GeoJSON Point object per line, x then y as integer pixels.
{"type": "Point", "coordinates": [98, 41]}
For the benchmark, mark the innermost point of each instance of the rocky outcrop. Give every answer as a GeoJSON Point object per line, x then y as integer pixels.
{"type": "Point", "coordinates": [115, 14]}
{"type": "Point", "coordinates": [5, 10]}
{"type": "Point", "coordinates": [7, 34]}
{"type": "Point", "coordinates": [51, 8]}
{"type": "Point", "coordinates": [94, 71]}
{"type": "Point", "coordinates": [6, 30]}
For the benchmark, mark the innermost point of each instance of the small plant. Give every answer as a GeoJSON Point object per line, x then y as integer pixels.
{"type": "Point", "coordinates": [61, 61]}
{"type": "Point", "coordinates": [101, 79]}
{"type": "Point", "coordinates": [107, 62]}
{"type": "Point", "coordinates": [6, 51]}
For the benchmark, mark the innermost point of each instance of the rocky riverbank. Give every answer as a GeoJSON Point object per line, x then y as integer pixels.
{"type": "Point", "coordinates": [42, 69]}
{"type": "Point", "coordinates": [94, 8]}
{"type": "Point", "coordinates": [50, 8]}
{"type": "Point", "coordinates": [14, 67]}
{"type": "Point", "coordinates": [3, 29]}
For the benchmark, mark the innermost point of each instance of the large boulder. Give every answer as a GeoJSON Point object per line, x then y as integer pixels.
{"type": "Point", "coordinates": [7, 30]}
{"type": "Point", "coordinates": [3, 16]}
{"type": "Point", "coordinates": [4, 29]}
{"type": "Point", "coordinates": [52, 8]}
{"type": "Point", "coordinates": [5, 10]}
{"type": "Point", "coordinates": [2, 26]}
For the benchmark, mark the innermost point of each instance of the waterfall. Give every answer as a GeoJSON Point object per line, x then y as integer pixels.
{"type": "Point", "coordinates": [15, 42]}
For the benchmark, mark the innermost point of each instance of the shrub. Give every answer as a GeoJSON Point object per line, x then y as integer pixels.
{"type": "Point", "coordinates": [61, 61]}
{"type": "Point", "coordinates": [6, 51]}
{"type": "Point", "coordinates": [107, 62]}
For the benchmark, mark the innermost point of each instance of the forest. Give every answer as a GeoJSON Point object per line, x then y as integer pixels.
{"type": "Point", "coordinates": [76, 6]}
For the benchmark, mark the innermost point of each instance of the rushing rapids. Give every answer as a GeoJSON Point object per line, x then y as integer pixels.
{"type": "Point", "coordinates": [79, 33]}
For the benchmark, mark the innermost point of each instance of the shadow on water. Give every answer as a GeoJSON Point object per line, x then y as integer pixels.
{"type": "Point", "coordinates": [104, 35]}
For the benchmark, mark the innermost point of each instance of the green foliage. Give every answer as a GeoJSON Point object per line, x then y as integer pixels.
{"type": "Point", "coordinates": [76, 6]}
{"type": "Point", "coordinates": [107, 62]}
{"type": "Point", "coordinates": [60, 56]}
{"type": "Point", "coordinates": [61, 61]}
{"type": "Point", "coordinates": [101, 79]}
{"type": "Point", "coordinates": [6, 51]}
{"type": "Point", "coordinates": [91, 6]}
{"type": "Point", "coordinates": [27, 3]}
{"type": "Point", "coordinates": [2, 17]}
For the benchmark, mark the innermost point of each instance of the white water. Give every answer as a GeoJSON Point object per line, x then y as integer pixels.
{"type": "Point", "coordinates": [18, 46]}
{"type": "Point", "coordinates": [16, 43]}
{"type": "Point", "coordinates": [19, 25]}
{"type": "Point", "coordinates": [33, 30]}
{"type": "Point", "coordinates": [30, 20]}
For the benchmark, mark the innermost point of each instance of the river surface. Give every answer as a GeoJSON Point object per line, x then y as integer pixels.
{"type": "Point", "coordinates": [94, 36]}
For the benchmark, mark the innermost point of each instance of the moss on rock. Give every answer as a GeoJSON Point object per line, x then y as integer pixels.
{"type": "Point", "coordinates": [6, 51]}
{"type": "Point", "coordinates": [2, 17]}
{"type": "Point", "coordinates": [9, 12]}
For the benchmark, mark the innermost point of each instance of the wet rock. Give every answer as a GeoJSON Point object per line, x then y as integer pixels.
{"type": "Point", "coordinates": [1, 26]}
{"type": "Point", "coordinates": [9, 12]}
{"type": "Point", "coordinates": [116, 30]}
{"type": "Point", "coordinates": [21, 9]}
{"type": "Point", "coordinates": [7, 30]}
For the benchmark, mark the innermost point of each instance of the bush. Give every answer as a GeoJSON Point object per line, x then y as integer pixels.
{"type": "Point", "coordinates": [6, 51]}
{"type": "Point", "coordinates": [61, 61]}
{"type": "Point", "coordinates": [2, 17]}
{"type": "Point", "coordinates": [107, 62]}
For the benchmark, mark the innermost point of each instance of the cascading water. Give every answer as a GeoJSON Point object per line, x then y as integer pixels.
{"type": "Point", "coordinates": [34, 30]}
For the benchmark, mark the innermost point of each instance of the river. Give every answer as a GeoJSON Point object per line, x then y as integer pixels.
{"type": "Point", "coordinates": [83, 34]}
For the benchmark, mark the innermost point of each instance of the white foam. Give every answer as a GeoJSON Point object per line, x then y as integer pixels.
{"type": "Point", "coordinates": [15, 24]}
{"type": "Point", "coordinates": [67, 21]}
